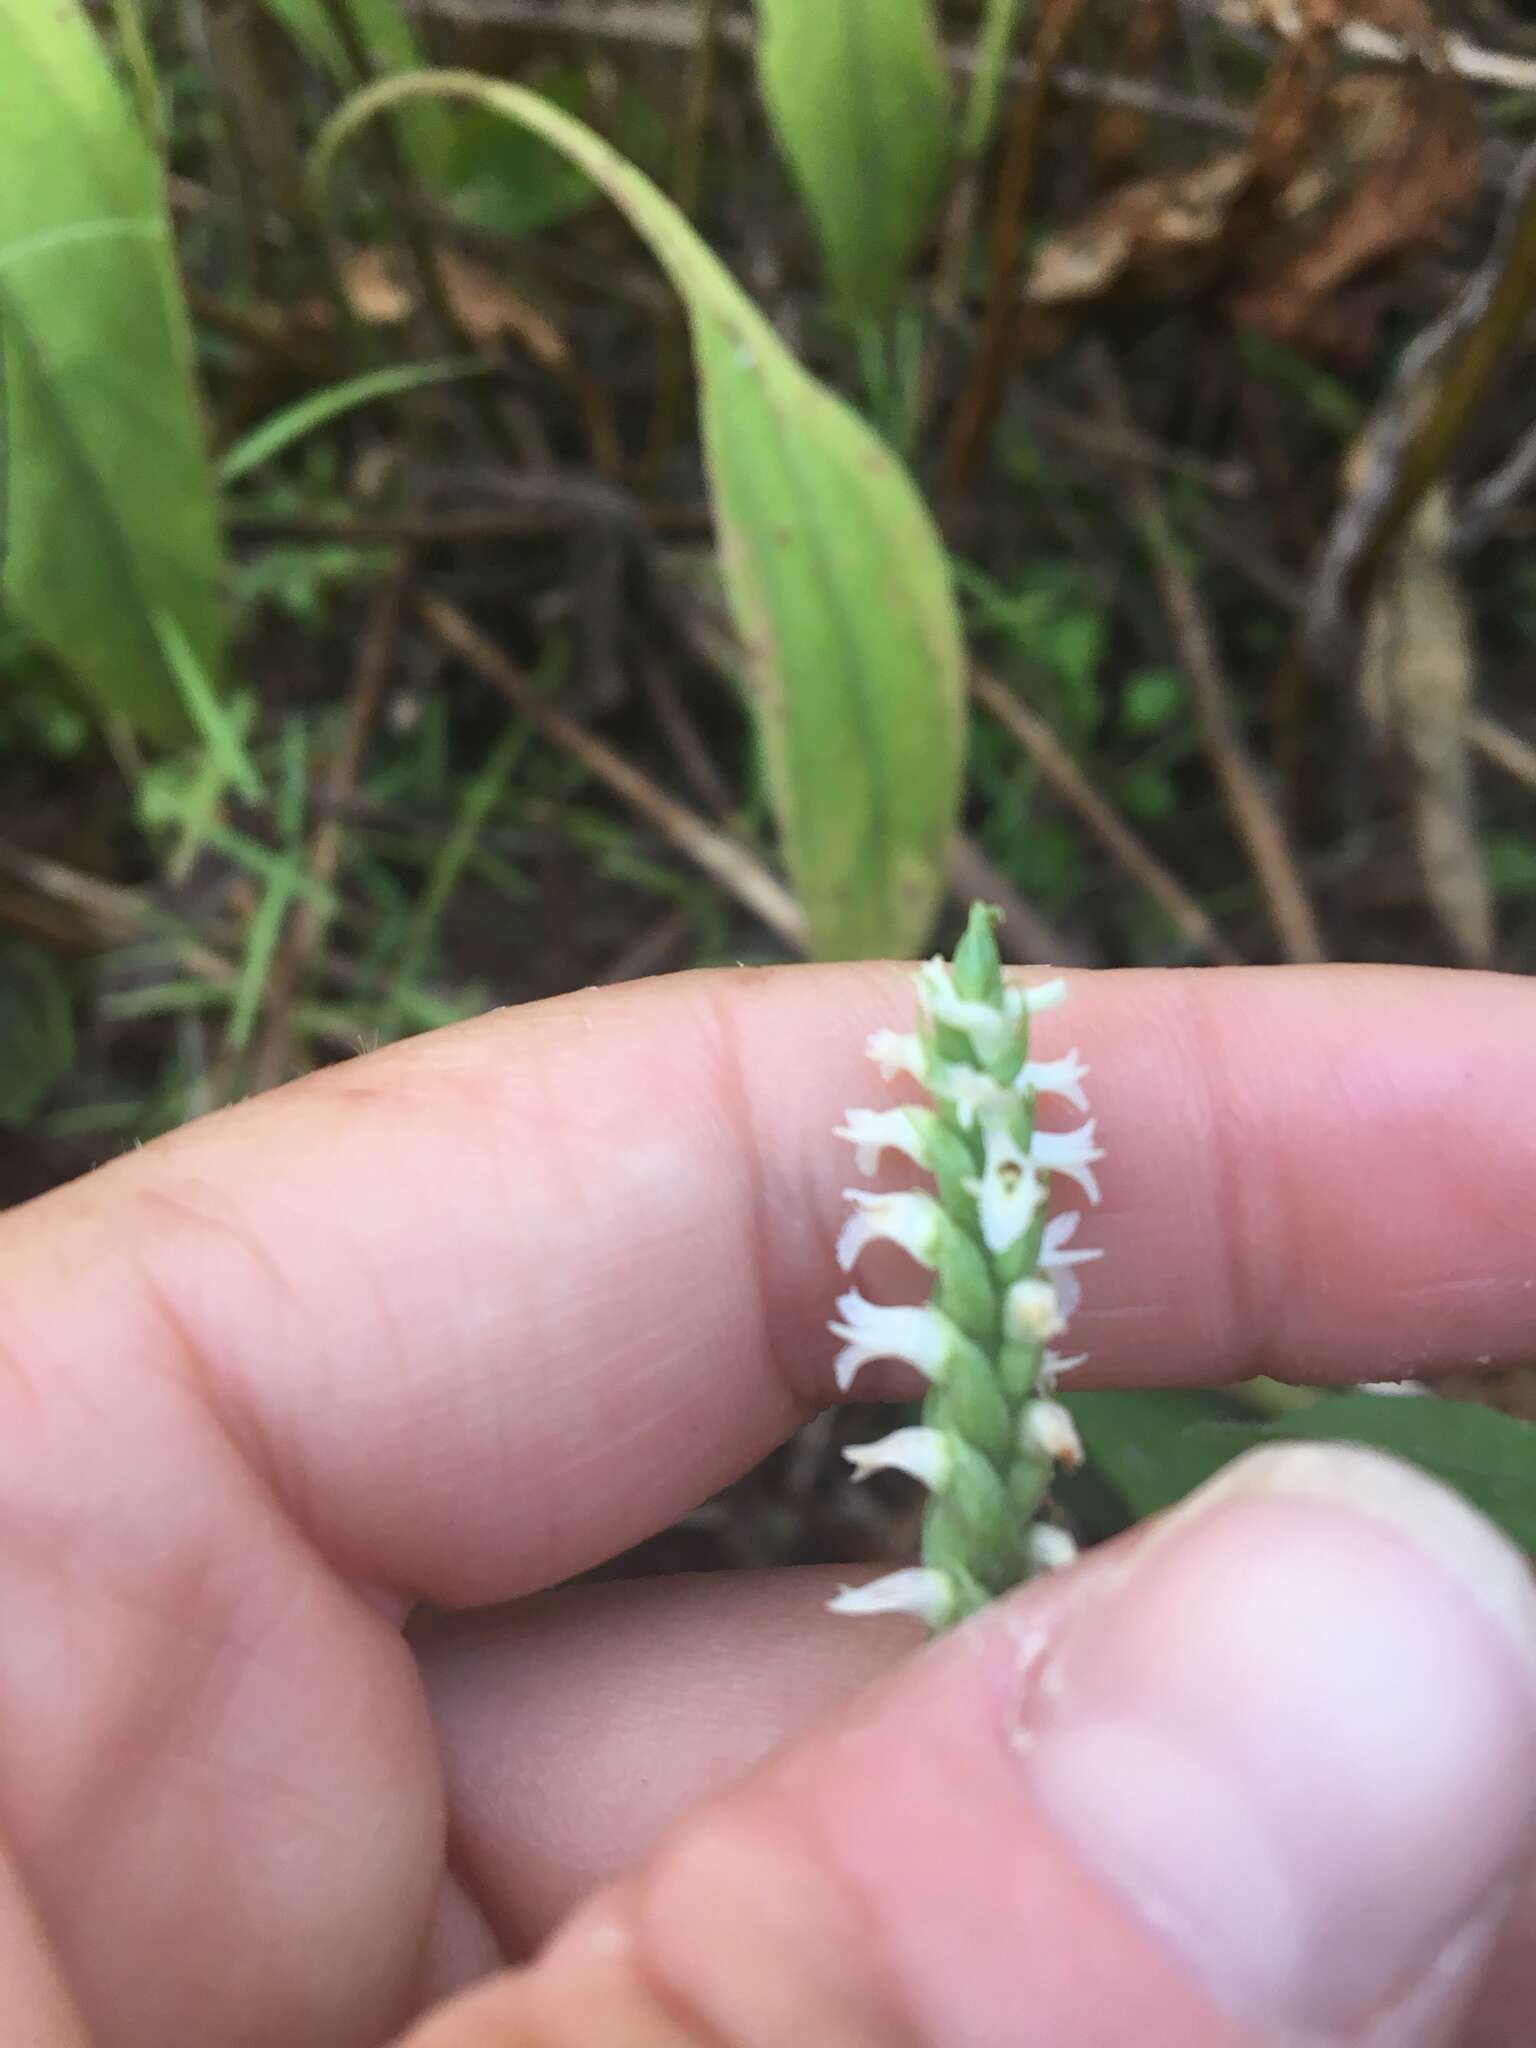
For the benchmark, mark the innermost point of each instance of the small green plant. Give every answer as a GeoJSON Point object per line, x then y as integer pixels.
{"type": "Point", "coordinates": [855, 665]}
{"type": "Point", "coordinates": [991, 1436]}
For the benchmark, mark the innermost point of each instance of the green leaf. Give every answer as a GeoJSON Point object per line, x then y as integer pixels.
{"type": "Point", "coordinates": [859, 99]}
{"type": "Point", "coordinates": [1152, 699]}
{"type": "Point", "coordinates": [218, 727]}
{"type": "Point", "coordinates": [386, 39]}
{"type": "Point", "coordinates": [107, 500]}
{"type": "Point", "coordinates": [508, 181]}
{"type": "Point", "coordinates": [999, 26]}
{"type": "Point", "coordinates": [294, 421]}
{"type": "Point", "coordinates": [37, 1034]}
{"type": "Point", "coordinates": [309, 25]}
{"type": "Point", "coordinates": [837, 579]}
{"type": "Point", "coordinates": [1153, 1448]}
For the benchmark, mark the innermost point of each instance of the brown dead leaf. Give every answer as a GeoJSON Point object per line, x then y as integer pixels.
{"type": "Point", "coordinates": [1162, 234]}
{"type": "Point", "coordinates": [1411, 20]}
{"type": "Point", "coordinates": [1343, 174]}
{"type": "Point", "coordinates": [1417, 673]}
{"type": "Point", "coordinates": [381, 289]}
{"type": "Point", "coordinates": [1167, 236]}
{"type": "Point", "coordinates": [1404, 154]}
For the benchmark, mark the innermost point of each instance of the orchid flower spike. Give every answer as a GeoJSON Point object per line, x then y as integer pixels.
{"type": "Point", "coordinates": [1004, 1287]}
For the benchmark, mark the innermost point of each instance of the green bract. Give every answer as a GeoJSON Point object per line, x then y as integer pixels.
{"type": "Point", "coordinates": [1004, 1286]}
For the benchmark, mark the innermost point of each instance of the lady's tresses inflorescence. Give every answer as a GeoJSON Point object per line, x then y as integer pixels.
{"type": "Point", "coordinates": [1004, 1286]}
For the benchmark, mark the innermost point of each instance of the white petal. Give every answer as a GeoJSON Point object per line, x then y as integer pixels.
{"type": "Point", "coordinates": [1071, 1153]}
{"type": "Point", "coordinates": [926, 1594]}
{"type": "Point", "coordinates": [1054, 1238]}
{"type": "Point", "coordinates": [1053, 1365]}
{"type": "Point", "coordinates": [855, 1234]}
{"type": "Point", "coordinates": [1050, 1548]}
{"type": "Point", "coordinates": [991, 1028]}
{"type": "Point", "coordinates": [1069, 1292]}
{"type": "Point", "coordinates": [1032, 1311]}
{"type": "Point", "coordinates": [1048, 1428]}
{"type": "Point", "coordinates": [897, 1052]}
{"type": "Point", "coordinates": [921, 1453]}
{"type": "Point", "coordinates": [971, 1091]}
{"type": "Point", "coordinates": [910, 1219]}
{"type": "Point", "coordinates": [1063, 1077]}
{"type": "Point", "coordinates": [874, 1131]}
{"type": "Point", "coordinates": [1045, 995]}
{"type": "Point", "coordinates": [919, 1337]}
{"type": "Point", "coordinates": [1008, 1191]}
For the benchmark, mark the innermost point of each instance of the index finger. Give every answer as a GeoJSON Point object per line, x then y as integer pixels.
{"type": "Point", "coordinates": [490, 1305]}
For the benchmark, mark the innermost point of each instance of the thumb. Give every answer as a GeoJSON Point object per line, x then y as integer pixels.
{"type": "Point", "coordinates": [1265, 1773]}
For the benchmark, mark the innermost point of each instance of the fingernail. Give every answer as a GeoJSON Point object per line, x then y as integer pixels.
{"type": "Point", "coordinates": [1297, 1733]}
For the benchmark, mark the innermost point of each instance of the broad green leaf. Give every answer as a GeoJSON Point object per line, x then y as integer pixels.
{"type": "Point", "coordinates": [838, 582]}
{"type": "Point", "coordinates": [37, 1034]}
{"type": "Point", "coordinates": [1153, 1448]}
{"type": "Point", "coordinates": [108, 517]}
{"type": "Point", "coordinates": [859, 99]}
{"type": "Point", "coordinates": [294, 421]}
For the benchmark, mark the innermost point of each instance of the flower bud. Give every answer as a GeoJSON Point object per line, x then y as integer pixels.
{"type": "Point", "coordinates": [1049, 1548]}
{"type": "Point", "coordinates": [1047, 1430]}
{"type": "Point", "coordinates": [1032, 1312]}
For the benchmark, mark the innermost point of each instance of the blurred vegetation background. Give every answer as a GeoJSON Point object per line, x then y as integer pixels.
{"type": "Point", "coordinates": [693, 481]}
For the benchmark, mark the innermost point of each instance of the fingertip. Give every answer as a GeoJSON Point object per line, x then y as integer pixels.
{"type": "Point", "coordinates": [1268, 1770]}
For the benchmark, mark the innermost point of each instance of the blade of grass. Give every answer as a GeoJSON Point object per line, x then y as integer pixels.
{"type": "Point", "coordinates": [213, 721]}
{"type": "Point", "coordinates": [739, 872]}
{"type": "Point", "coordinates": [286, 877]}
{"type": "Point", "coordinates": [481, 797]}
{"type": "Point", "coordinates": [294, 421]}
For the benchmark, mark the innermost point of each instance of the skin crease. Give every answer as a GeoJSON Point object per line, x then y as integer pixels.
{"type": "Point", "coordinates": [457, 1321]}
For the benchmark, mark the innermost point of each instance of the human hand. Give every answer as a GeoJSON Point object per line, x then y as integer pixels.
{"type": "Point", "coordinates": [459, 1320]}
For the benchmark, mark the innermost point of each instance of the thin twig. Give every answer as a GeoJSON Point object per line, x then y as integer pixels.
{"type": "Point", "coordinates": [1467, 59]}
{"type": "Point", "coordinates": [1516, 756]}
{"type": "Point", "coordinates": [1093, 438]}
{"type": "Point", "coordinates": [113, 912]}
{"type": "Point", "coordinates": [1439, 381]}
{"type": "Point", "coordinates": [306, 925]}
{"type": "Point", "coordinates": [554, 513]}
{"type": "Point", "coordinates": [649, 951]}
{"type": "Point", "coordinates": [978, 403]}
{"type": "Point", "coordinates": [1116, 837]}
{"type": "Point", "coordinates": [687, 183]}
{"type": "Point", "coordinates": [1253, 810]}
{"type": "Point", "coordinates": [688, 169]}
{"type": "Point", "coordinates": [116, 916]}
{"type": "Point", "coordinates": [1494, 498]}
{"type": "Point", "coordinates": [732, 866]}
{"type": "Point", "coordinates": [682, 734]}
